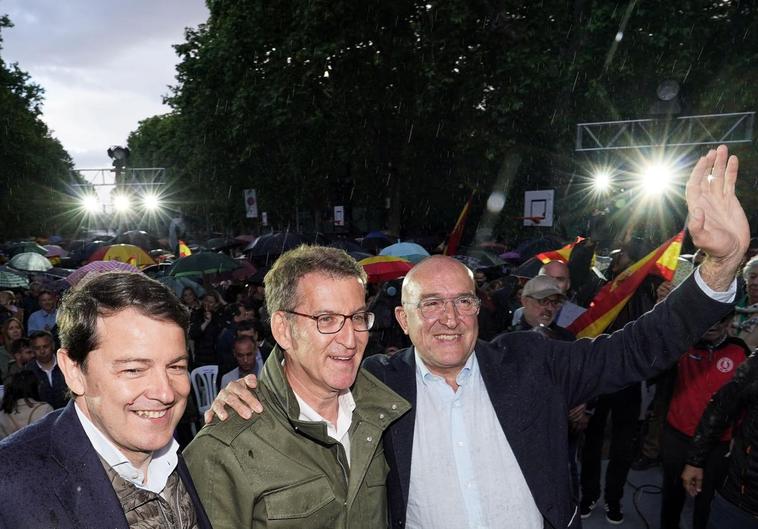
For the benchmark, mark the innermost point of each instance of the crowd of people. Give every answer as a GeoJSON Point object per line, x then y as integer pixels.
{"type": "Point", "coordinates": [451, 398]}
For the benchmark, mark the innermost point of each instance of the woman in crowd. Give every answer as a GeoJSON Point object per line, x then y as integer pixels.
{"type": "Point", "coordinates": [189, 298]}
{"type": "Point", "coordinates": [11, 330]}
{"type": "Point", "coordinates": [21, 405]}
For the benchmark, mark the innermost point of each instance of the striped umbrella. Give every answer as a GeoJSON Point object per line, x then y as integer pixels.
{"type": "Point", "coordinates": [98, 267]}
{"type": "Point", "coordinates": [385, 268]}
{"type": "Point", "coordinates": [30, 262]}
{"type": "Point", "coordinates": [11, 280]}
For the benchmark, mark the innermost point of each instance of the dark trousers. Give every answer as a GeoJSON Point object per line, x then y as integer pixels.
{"type": "Point", "coordinates": [624, 407]}
{"type": "Point", "coordinates": [728, 516]}
{"type": "Point", "coordinates": [674, 449]}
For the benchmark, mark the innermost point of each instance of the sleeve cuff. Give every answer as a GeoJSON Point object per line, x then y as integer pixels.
{"type": "Point", "coordinates": [723, 297]}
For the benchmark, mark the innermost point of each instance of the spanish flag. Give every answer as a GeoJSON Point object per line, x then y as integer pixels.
{"type": "Point", "coordinates": [613, 296]}
{"type": "Point", "coordinates": [562, 254]}
{"type": "Point", "coordinates": [457, 233]}
{"type": "Point", "coordinates": [184, 250]}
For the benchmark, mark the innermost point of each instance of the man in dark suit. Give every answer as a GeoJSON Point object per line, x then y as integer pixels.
{"type": "Point", "coordinates": [108, 459]}
{"type": "Point", "coordinates": [484, 444]}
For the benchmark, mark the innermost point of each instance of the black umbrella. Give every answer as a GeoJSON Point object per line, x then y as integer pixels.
{"type": "Point", "coordinates": [349, 245]}
{"type": "Point", "coordinates": [220, 243]}
{"type": "Point", "coordinates": [274, 244]}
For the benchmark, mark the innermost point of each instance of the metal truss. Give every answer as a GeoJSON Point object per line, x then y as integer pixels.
{"type": "Point", "coordinates": [708, 129]}
{"type": "Point", "coordinates": [129, 176]}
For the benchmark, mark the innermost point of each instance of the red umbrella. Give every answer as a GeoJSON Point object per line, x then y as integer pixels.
{"type": "Point", "coordinates": [385, 268]}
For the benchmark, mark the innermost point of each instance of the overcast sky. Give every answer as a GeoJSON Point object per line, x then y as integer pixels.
{"type": "Point", "coordinates": [104, 65]}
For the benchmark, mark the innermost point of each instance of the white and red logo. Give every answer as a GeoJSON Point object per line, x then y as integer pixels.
{"type": "Point", "coordinates": [725, 365]}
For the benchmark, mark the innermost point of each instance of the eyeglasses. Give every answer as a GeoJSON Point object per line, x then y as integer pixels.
{"type": "Point", "coordinates": [435, 307]}
{"type": "Point", "coordinates": [331, 323]}
{"type": "Point", "coordinates": [544, 302]}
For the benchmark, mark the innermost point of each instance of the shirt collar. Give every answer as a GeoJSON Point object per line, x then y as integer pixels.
{"type": "Point", "coordinates": [461, 378]}
{"type": "Point", "coordinates": [162, 463]}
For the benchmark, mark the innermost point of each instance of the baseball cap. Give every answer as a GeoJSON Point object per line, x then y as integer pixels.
{"type": "Point", "coordinates": [541, 287]}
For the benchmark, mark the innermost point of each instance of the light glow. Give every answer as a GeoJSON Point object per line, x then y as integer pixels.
{"type": "Point", "coordinates": [121, 203]}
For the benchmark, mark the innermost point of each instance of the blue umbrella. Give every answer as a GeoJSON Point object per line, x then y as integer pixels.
{"type": "Point", "coordinates": [407, 250]}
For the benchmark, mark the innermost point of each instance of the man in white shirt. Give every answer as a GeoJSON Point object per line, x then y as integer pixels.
{"type": "Point", "coordinates": [108, 459]}
{"type": "Point", "coordinates": [245, 352]}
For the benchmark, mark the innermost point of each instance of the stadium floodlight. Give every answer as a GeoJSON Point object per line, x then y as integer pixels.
{"type": "Point", "coordinates": [90, 203]}
{"type": "Point", "coordinates": [151, 202]}
{"type": "Point", "coordinates": [655, 178]}
{"type": "Point", "coordinates": [121, 203]}
{"type": "Point", "coordinates": [601, 180]}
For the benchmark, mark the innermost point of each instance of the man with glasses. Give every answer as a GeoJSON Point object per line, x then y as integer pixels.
{"type": "Point", "coordinates": [542, 299]}
{"type": "Point", "coordinates": [314, 459]}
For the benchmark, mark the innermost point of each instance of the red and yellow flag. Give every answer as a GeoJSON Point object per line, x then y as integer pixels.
{"type": "Point", "coordinates": [562, 254]}
{"type": "Point", "coordinates": [184, 250]}
{"type": "Point", "coordinates": [457, 233]}
{"type": "Point", "coordinates": [613, 296]}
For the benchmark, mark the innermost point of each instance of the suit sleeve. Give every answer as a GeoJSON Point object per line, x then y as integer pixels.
{"type": "Point", "coordinates": [643, 348]}
{"type": "Point", "coordinates": [721, 412]}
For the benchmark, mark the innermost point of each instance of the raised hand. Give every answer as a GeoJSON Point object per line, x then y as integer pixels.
{"type": "Point", "coordinates": [717, 222]}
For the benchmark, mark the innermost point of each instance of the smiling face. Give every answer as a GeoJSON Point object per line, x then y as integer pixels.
{"type": "Point", "coordinates": [444, 343]}
{"type": "Point", "coordinates": [134, 386]}
{"type": "Point", "coordinates": [321, 365]}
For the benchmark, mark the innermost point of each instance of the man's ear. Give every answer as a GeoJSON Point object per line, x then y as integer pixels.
{"type": "Point", "coordinates": [72, 372]}
{"type": "Point", "coordinates": [402, 318]}
{"type": "Point", "coordinates": [281, 330]}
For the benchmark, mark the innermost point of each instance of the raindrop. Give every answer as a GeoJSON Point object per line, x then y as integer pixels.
{"type": "Point", "coordinates": [326, 73]}
{"type": "Point", "coordinates": [619, 36]}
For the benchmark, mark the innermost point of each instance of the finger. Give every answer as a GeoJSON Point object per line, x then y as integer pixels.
{"type": "Point", "coordinates": [208, 416]}
{"type": "Point", "coordinates": [251, 381]}
{"type": "Point", "coordinates": [719, 165]}
{"type": "Point", "coordinates": [730, 176]}
{"type": "Point", "coordinates": [705, 181]}
{"type": "Point", "coordinates": [692, 190]}
{"type": "Point", "coordinates": [234, 402]}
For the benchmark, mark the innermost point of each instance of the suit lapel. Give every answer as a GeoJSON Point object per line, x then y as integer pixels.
{"type": "Point", "coordinates": [502, 381]}
{"type": "Point", "coordinates": [81, 484]}
{"type": "Point", "coordinates": [402, 380]}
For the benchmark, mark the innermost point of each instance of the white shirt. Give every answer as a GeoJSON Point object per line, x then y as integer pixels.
{"type": "Point", "coordinates": [161, 465]}
{"type": "Point", "coordinates": [338, 432]}
{"type": "Point", "coordinates": [464, 473]}
{"type": "Point", "coordinates": [49, 371]}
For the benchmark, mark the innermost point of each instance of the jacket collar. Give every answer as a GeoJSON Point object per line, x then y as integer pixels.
{"type": "Point", "coordinates": [374, 402]}
{"type": "Point", "coordinates": [82, 485]}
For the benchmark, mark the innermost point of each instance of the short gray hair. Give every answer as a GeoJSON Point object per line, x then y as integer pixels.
{"type": "Point", "coordinates": [282, 280]}
{"type": "Point", "coordinates": [752, 263]}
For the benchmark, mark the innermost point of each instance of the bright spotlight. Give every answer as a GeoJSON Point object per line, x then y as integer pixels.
{"type": "Point", "coordinates": [655, 178]}
{"type": "Point", "coordinates": [601, 180]}
{"type": "Point", "coordinates": [121, 203]}
{"type": "Point", "coordinates": [151, 202]}
{"type": "Point", "coordinates": [90, 203]}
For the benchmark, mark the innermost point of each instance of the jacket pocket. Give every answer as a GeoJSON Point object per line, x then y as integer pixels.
{"type": "Point", "coordinates": [299, 500]}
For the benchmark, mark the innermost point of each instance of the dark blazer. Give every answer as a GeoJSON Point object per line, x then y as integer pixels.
{"type": "Point", "coordinates": [533, 381]}
{"type": "Point", "coordinates": [51, 477]}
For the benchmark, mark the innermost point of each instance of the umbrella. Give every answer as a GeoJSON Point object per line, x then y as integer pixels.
{"type": "Point", "coordinates": [157, 270]}
{"type": "Point", "coordinates": [246, 238]}
{"type": "Point", "coordinates": [126, 253]}
{"type": "Point", "coordinates": [178, 284]}
{"type": "Point", "coordinates": [53, 250]}
{"type": "Point", "coordinates": [275, 243]}
{"type": "Point", "coordinates": [221, 243]}
{"type": "Point", "coordinates": [487, 259]}
{"type": "Point", "coordinates": [30, 262]}
{"type": "Point", "coordinates": [409, 251]}
{"type": "Point", "coordinates": [385, 268]}
{"type": "Point", "coordinates": [529, 268]}
{"type": "Point", "coordinates": [375, 240]}
{"type": "Point", "coordinates": [26, 246]}
{"type": "Point", "coordinates": [349, 245]}
{"type": "Point", "coordinates": [471, 262]}
{"type": "Point", "coordinates": [138, 238]}
{"type": "Point", "coordinates": [245, 270]}
{"type": "Point", "coordinates": [11, 280]}
{"type": "Point", "coordinates": [99, 267]}
{"type": "Point", "coordinates": [203, 263]}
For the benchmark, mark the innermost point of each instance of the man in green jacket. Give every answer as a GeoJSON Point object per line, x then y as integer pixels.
{"type": "Point", "coordinates": [315, 458]}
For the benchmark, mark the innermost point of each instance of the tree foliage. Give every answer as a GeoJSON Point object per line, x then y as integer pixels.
{"type": "Point", "coordinates": [415, 104]}
{"type": "Point", "coordinates": [35, 170]}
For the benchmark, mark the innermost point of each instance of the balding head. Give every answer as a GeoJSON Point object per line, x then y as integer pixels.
{"type": "Point", "coordinates": [445, 332]}
{"type": "Point", "coordinates": [559, 271]}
